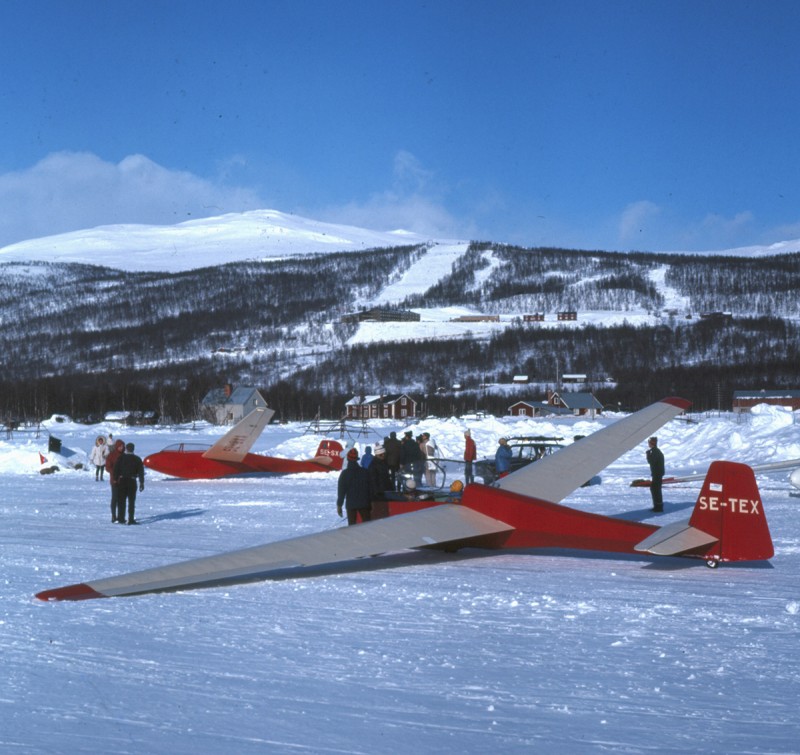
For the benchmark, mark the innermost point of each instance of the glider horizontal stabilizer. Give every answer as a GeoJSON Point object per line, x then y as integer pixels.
{"type": "Point", "coordinates": [673, 539]}
{"type": "Point", "coordinates": [435, 526]}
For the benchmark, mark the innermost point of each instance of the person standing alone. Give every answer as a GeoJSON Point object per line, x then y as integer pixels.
{"type": "Point", "coordinates": [98, 457]}
{"type": "Point", "coordinates": [470, 454]}
{"type": "Point", "coordinates": [656, 461]}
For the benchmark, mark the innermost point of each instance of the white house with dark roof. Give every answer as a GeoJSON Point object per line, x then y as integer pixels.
{"type": "Point", "coordinates": [227, 405]}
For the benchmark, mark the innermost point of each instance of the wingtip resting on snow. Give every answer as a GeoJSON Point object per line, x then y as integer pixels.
{"type": "Point", "coordinates": [70, 592]}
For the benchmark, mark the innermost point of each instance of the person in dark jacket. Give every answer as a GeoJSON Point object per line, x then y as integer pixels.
{"type": "Point", "coordinates": [393, 455]}
{"type": "Point", "coordinates": [353, 491]}
{"type": "Point", "coordinates": [111, 460]}
{"type": "Point", "coordinates": [411, 458]}
{"type": "Point", "coordinates": [379, 479]}
{"type": "Point", "coordinates": [656, 461]}
{"type": "Point", "coordinates": [127, 470]}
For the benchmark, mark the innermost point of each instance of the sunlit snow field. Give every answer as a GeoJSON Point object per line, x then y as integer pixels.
{"type": "Point", "coordinates": [475, 652]}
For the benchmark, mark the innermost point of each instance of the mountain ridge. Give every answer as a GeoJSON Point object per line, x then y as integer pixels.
{"type": "Point", "coordinates": [80, 338]}
{"type": "Point", "coordinates": [242, 236]}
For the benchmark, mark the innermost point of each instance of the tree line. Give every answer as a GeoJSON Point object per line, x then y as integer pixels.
{"type": "Point", "coordinates": [84, 340]}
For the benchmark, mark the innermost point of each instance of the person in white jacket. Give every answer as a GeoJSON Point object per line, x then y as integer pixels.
{"type": "Point", "coordinates": [98, 457]}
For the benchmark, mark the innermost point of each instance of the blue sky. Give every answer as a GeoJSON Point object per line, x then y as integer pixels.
{"type": "Point", "coordinates": [611, 125]}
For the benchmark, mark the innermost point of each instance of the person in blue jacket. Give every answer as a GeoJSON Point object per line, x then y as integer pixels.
{"type": "Point", "coordinates": [502, 458]}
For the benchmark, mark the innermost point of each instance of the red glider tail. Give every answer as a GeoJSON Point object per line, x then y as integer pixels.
{"type": "Point", "coordinates": [730, 509]}
{"type": "Point", "coordinates": [728, 522]}
{"type": "Point", "coordinates": [329, 453]}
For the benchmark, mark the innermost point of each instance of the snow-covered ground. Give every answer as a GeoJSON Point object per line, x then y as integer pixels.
{"type": "Point", "coordinates": [474, 652]}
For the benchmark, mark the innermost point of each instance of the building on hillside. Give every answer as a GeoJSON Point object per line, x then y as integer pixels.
{"type": "Point", "coordinates": [744, 401]}
{"type": "Point", "coordinates": [227, 405]}
{"type": "Point", "coordinates": [476, 318]}
{"type": "Point", "coordinates": [534, 317]}
{"type": "Point", "coordinates": [520, 379]}
{"type": "Point", "coordinates": [574, 378]}
{"type": "Point", "coordinates": [568, 315]}
{"type": "Point", "coordinates": [399, 406]}
{"type": "Point", "coordinates": [719, 317]}
{"type": "Point", "coordinates": [382, 314]}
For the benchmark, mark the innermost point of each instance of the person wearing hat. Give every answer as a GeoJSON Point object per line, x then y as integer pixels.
{"type": "Point", "coordinates": [470, 454]}
{"type": "Point", "coordinates": [379, 479]}
{"type": "Point", "coordinates": [353, 491]}
{"type": "Point", "coordinates": [502, 458]}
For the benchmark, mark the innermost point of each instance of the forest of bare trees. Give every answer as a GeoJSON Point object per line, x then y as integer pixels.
{"type": "Point", "coordinates": [84, 340]}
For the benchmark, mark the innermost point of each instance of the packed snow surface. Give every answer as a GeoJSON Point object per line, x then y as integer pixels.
{"type": "Point", "coordinates": [478, 651]}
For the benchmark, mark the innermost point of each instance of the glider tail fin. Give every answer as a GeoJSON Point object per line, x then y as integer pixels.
{"type": "Point", "coordinates": [329, 453]}
{"type": "Point", "coordinates": [728, 522]}
{"type": "Point", "coordinates": [729, 508]}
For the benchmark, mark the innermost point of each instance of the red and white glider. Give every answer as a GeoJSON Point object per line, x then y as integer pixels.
{"type": "Point", "coordinates": [522, 511]}
{"type": "Point", "coordinates": [230, 456]}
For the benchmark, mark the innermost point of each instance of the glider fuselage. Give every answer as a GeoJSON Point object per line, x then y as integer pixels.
{"type": "Point", "coordinates": [193, 465]}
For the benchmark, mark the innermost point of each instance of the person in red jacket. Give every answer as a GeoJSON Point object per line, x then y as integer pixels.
{"type": "Point", "coordinates": [470, 454]}
{"type": "Point", "coordinates": [111, 460]}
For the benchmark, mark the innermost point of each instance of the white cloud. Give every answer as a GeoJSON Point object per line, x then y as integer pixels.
{"type": "Point", "coordinates": [413, 203]}
{"type": "Point", "coordinates": [636, 218]}
{"type": "Point", "coordinates": [68, 191]}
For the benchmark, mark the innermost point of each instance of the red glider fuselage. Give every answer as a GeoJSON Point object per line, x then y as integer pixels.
{"type": "Point", "coordinates": [194, 464]}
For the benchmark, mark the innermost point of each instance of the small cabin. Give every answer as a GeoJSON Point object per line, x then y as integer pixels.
{"type": "Point", "coordinates": [399, 406]}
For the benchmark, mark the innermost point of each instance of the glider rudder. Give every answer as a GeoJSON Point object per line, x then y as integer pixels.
{"type": "Point", "coordinates": [730, 509]}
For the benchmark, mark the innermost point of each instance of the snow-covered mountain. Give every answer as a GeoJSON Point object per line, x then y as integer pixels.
{"type": "Point", "coordinates": [235, 237]}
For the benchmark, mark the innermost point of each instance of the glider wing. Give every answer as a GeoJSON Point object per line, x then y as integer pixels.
{"type": "Point", "coordinates": [237, 442]}
{"type": "Point", "coordinates": [555, 476]}
{"type": "Point", "coordinates": [430, 527]}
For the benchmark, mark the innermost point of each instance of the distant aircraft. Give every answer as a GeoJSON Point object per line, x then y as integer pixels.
{"type": "Point", "coordinates": [774, 466]}
{"type": "Point", "coordinates": [727, 524]}
{"type": "Point", "coordinates": [230, 457]}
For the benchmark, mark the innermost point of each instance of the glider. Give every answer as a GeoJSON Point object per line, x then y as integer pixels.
{"type": "Point", "coordinates": [774, 466]}
{"type": "Point", "coordinates": [728, 522]}
{"type": "Point", "coordinates": [230, 455]}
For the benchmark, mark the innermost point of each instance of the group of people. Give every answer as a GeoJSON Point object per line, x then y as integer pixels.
{"type": "Point", "coordinates": [381, 470]}
{"type": "Point", "coordinates": [125, 474]}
